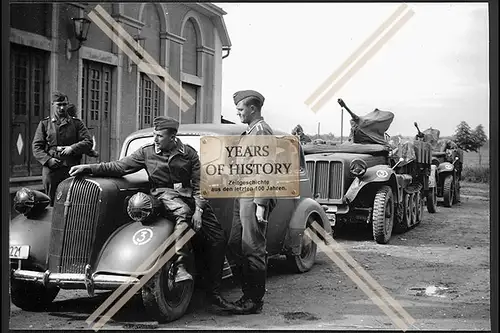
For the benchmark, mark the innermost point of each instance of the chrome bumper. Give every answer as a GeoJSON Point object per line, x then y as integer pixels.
{"type": "Point", "coordinates": [87, 281]}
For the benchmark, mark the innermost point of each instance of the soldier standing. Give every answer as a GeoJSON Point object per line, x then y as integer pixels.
{"type": "Point", "coordinates": [59, 143]}
{"type": "Point", "coordinates": [247, 241]}
{"type": "Point", "coordinates": [174, 175]}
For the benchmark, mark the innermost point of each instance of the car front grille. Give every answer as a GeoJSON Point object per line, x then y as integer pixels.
{"type": "Point", "coordinates": [326, 179]}
{"type": "Point", "coordinates": [73, 227]}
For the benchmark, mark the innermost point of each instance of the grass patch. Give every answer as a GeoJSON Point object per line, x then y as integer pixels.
{"type": "Point", "coordinates": [476, 174]}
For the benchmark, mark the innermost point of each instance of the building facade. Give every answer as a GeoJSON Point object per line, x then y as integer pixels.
{"type": "Point", "coordinates": [116, 91]}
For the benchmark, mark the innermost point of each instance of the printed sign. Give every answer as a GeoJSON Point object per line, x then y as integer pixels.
{"type": "Point", "coordinates": [142, 236]}
{"type": "Point", "coordinates": [382, 173]}
{"type": "Point", "coordinates": [249, 166]}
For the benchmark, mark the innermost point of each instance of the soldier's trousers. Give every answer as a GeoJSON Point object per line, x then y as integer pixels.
{"type": "Point", "coordinates": [208, 244]}
{"type": "Point", "coordinates": [51, 178]}
{"type": "Point", "coordinates": [247, 244]}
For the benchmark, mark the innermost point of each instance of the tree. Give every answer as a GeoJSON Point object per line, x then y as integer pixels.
{"type": "Point", "coordinates": [480, 139]}
{"type": "Point", "coordinates": [479, 136]}
{"type": "Point", "coordinates": [467, 139]}
{"type": "Point", "coordinates": [463, 137]}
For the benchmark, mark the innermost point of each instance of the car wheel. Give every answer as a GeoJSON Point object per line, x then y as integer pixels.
{"type": "Point", "coordinates": [448, 191]}
{"type": "Point", "coordinates": [383, 215]}
{"type": "Point", "coordinates": [420, 206]}
{"type": "Point", "coordinates": [164, 299]}
{"type": "Point", "coordinates": [414, 209]}
{"type": "Point", "coordinates": [407, 211]}
{"type": "Point", "coordinates": [31, 297]}
{"type": "Point", "coordinates": [431, 200]}
{"type": "Point", "coordinates": [304, 261]}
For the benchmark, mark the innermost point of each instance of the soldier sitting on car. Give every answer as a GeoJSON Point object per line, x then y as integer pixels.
{"type": "Point", "coordinates": [174, 175]}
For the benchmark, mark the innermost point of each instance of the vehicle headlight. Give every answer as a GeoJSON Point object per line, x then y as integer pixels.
{"type": "Point", "coordinates": [142, 206]}
{"type": "Point", "coordinates": [357, 167]}
{"type": "Point", "coordinates": [27, 201]}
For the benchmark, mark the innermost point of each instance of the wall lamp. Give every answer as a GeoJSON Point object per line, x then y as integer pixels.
{"type": "Point", "coordinates": [81, 27]}
{"type": "Point", "coordinates": [141, 41]}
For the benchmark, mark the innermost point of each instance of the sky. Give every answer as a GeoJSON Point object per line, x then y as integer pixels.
{"type": "Point", "coordinates": [434, 70]}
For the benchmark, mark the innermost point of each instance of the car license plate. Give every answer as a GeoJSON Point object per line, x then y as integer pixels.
{"type": "Point", "coordinates": [19, 251]}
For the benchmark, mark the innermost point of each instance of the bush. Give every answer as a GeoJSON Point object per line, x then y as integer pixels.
{"type": "Point", "coordinates": [476, 174]}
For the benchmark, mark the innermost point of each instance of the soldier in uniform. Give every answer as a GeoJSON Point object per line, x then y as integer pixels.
{"type": "Point", "coordinates": [59, 142]}
{"type": "Point", "coordinates": [71, 109]}
{"type": "Point", "coordinates": [247, 241]}
{"type": "Point", "coordinates": [303, 138]}
{"type": "Point", "coordinates": [174, 175]}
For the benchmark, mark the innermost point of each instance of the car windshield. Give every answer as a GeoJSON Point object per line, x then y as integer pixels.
{"type": "Point", "coordinates": [192, 140]}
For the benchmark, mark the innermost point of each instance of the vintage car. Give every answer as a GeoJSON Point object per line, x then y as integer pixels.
{"type": "Point", "coordinates": [88, 241]}
{"type": "Point", "coordinates": [365, 181]}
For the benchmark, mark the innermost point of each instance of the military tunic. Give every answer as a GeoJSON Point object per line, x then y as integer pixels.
{"type": "Point", "coordinates": [247, 241]}
{"type": "Point", "coordinates": [52, 133]}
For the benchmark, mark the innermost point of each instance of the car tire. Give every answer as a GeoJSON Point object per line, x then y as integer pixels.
{"type": "Point", "coordinates": [30, 296]}
{"type": "Point", "coordinates": [414, 209]}
{"type": "Point", "coordinates": [420, 207]}
{"type": "Point", "coordinates": [164, 299]}
{"type": "Point", "coordinates": [304, 261]}
{"type": "Point", "coordinates": [448, 191]}
{"type": "Point", "coordinates": [383, 215]}
{"type": "Point", "coordinates": [407, 211]}
{"type": "Point", "coordinates": [432, 200]}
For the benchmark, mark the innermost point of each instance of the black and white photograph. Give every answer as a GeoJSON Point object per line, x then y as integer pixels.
{"type": "Point", "coordinates": [386, 221]}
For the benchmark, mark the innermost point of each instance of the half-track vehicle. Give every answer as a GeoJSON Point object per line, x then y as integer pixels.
{"type": "Point", "coordinates": [93, 239]}
{"type": "Point", "coordinates": [365, 180]}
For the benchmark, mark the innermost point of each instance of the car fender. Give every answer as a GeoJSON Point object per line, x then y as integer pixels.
{"type": "Point", "coordinates": [374, 174]}
{"type": "Point", "coordinates": [131, 245]}
{"type": "Point", "coordinates": [297, 225]}
{"type": "Point", "coordinates": [445, 167]}
{"type": "Point", "coordinates": [35, 232]}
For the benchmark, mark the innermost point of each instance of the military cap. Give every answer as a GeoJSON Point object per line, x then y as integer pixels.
{"type": "Point", "coordinates": [242, 94]}
{"type": "Point", "coordinates": [58, 96]}
{"type": "Point", "coordinates": [162, 123]}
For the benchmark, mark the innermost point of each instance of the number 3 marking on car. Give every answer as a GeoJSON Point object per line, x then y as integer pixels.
{"type": "Point", "coordinates": [142, 236]}
{"type": "Point", "coordinates": [381, 173]}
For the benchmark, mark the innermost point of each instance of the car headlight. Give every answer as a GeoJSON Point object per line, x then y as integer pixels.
{"type": "Point", "coordinates": [27, 201]}
{"type": "Point", "coordinates": [142, 206]}
{"type": "Point", "coordinates": [357, 167]}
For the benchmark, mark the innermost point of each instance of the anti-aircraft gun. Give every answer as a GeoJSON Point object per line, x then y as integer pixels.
{"type": "Point", "coordinates": [362, 181]}
{"type": "Point", "coordinates": [448, 160]}
{"type": "Point", "coordinates": [414, 158]}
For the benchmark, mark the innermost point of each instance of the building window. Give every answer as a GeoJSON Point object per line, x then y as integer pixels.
{"type": "Point", "coordinates": [190, 66]}
{"type": "Point", "coordinates": [29, 106]}
{"type": "Point", "coordinates": [190, 116]}
{"type": "Point", "coordinates": [189, 53]}
{"type": "Point", "coordinates": [96, 106]}
{"type": "Point", "coordinates": [149, 101]}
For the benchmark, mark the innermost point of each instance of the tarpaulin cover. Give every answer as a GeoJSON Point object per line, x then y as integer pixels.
{"type": "Point", "coordinates": [347, 147]}
{"type": "Point", "coordinates": [417, 151]}
{"type": "Point", "coordinates": [370, 128]}
{"type": "Point", "coordinates": [431, 135]}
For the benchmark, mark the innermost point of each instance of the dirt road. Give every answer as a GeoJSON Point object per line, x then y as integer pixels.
{"type": "Point", "coordinates": [438, 272]}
